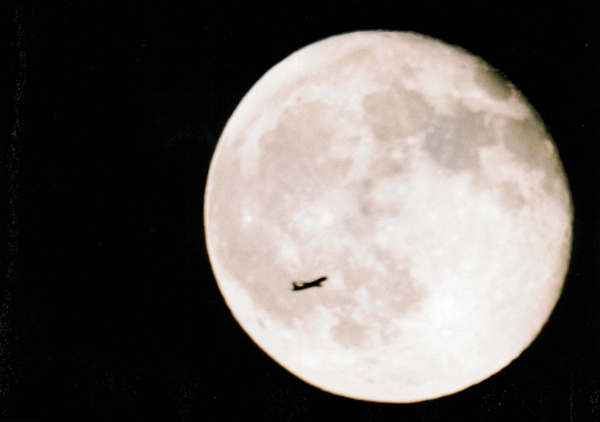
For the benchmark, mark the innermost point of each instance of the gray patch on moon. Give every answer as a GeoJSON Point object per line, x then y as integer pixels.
{"type": "Point", "coordinates": [370, 202]}
{"type": "Point", "coordinates": [511, 196]}
{"type": "Point", "coordinates": [349, 333]}
{"type": "Point", "coordinates": [493, 83]}
{"type": "Point", "coordinates": [526, 140]}
{"type": "Point", "coordinates": [395, 113]}
{"type": "Point", "coordinates": [290, 151]}
{"type": "Point", "coordinates": [350, 63]}
{"type": "Point", "coordinates": [530, 143]}
{"type": "Point", "coordinates": [454, 141]}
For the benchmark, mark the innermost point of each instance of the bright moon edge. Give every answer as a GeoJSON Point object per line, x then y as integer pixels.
{"type": "Point", "coordinates": [445, 341]}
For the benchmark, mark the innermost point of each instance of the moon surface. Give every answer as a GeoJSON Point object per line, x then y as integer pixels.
{"type": "Point", "coordinates": [425, 188]}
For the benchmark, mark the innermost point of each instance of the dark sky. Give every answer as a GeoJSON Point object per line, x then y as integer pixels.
{"type": "Point", "coordinates": [108, 306]}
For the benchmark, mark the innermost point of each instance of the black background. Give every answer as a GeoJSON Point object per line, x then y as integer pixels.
{"type": "Point", "coordinates": [108, 306]}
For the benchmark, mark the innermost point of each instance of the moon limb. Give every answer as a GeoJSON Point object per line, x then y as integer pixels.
{"type": "Point", "coordinates": [419, 206]}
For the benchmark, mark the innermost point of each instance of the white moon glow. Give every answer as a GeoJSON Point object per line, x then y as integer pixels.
{"type": "Point", "coordinates": [426, 189]}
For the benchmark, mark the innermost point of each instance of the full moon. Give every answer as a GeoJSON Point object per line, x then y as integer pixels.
{"type": "Point", "coordinates": [421, 184]}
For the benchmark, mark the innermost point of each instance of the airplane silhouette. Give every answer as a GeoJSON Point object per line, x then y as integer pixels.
{"type": "Point", "coordinates": [302, 286]}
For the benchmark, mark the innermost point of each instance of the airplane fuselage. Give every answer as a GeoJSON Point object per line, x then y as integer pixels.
{"type": "Point", "coordinates": [302, 286]}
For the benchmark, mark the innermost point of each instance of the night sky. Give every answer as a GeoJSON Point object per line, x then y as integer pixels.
{"type": "Point", "coordinates": [108, 306]}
